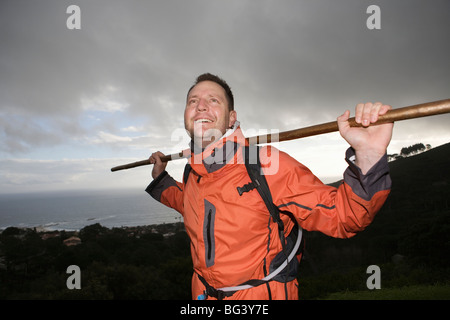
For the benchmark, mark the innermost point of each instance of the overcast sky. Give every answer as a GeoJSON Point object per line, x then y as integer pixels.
{"type": "Point", "coordinates": [74, 103]}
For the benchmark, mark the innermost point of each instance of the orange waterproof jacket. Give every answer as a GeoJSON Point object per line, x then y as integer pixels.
{"type": "Point", "coordinates": [233, 238]}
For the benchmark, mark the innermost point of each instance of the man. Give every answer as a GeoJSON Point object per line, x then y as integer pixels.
{"type": "Point", "coordinates": [233, 237]}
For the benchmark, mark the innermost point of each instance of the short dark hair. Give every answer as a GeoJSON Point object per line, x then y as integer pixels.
{"type": "Point", "coordinates": [220, 82]}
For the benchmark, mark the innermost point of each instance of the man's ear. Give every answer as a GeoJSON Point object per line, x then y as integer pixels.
{"type": "Point", "coordinates": [233, 118]}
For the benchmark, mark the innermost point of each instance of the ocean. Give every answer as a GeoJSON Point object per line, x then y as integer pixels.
{"type": "Point", "coordinates": [73, 210]}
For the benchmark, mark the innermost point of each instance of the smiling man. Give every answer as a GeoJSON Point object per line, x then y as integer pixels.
{"type": "Point", "coordinates": [243, 245]}
{"type": "Point", "coordinates": [209, 110]}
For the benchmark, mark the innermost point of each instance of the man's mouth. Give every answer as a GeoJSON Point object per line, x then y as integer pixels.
{"type": "Point", "coordinates": [202, 121]}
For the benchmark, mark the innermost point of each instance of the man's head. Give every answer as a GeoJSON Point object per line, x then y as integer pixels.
{"type": "Point", "coordinates": [209, 109]}
{"type": "Point", "coordinates": [220, 82]}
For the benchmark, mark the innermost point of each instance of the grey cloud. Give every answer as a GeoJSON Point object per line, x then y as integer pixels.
{"type": "Point", "coordinates": [20, 133]}
{"type": "Point", "coordinates": [288, 62]}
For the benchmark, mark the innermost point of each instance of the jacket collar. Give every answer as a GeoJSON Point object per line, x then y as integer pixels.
{"type": "Point", "coordinates": [216, 155]}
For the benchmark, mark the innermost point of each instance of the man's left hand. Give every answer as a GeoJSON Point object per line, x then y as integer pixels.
{"type": "Point", "coordinates": [369, 142]}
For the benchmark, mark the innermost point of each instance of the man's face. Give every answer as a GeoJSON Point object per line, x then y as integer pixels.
{"type": "Point", "coordinates": [206, 117]}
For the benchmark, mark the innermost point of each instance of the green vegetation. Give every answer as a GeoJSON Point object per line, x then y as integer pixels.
{"type": "Point", "coordinates": [409, 240]}
{"type": "Point", "coordinates": [424, 292]}
{"type": "Point", "coordinates": [122, 263]}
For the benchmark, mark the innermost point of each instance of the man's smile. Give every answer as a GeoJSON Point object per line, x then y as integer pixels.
{"type": "Point", "coordinates": [202, 120]}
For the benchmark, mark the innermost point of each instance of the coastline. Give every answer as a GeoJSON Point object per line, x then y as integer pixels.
{"type": "Point", "coordinates": [72, 211]}
{"type": "Point", "coordinates": [165, 229]}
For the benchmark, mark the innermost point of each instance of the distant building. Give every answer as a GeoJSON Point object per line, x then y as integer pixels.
{"type": "Point", "coordinates": [72, 241]}
{"type": "Point", "coordinates": [50, 235]}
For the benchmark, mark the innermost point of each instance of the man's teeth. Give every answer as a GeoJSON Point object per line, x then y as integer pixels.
{"type": "Point", "coordinates": [202, 120]}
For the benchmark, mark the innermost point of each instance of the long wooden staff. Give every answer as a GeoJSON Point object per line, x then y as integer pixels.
{"type": "Point", "coordinates": [411, 112]}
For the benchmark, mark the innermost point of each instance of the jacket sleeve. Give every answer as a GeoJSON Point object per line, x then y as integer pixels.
{"type": "Point", "coordinates": [338, 212]}
{"type": "Point", "coordinates": [166, 190]}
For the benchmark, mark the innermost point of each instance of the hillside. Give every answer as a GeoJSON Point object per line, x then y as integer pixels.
{"type": "Point", "coordinates": [412, 227]}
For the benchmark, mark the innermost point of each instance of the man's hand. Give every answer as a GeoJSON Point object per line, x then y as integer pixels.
{"type": "Point", "coordinates": [369, 142]}
{"type": "Point", "coordinates": [158, 165]}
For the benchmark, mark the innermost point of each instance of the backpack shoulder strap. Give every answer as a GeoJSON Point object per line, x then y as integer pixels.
{"type": "Point", "coordinates": [254, 170]}
{"type": "Point", "coordinates": [187, 170]}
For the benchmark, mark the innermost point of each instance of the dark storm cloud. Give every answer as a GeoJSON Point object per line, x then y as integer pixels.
{"type": "Point", "coordinates": [290, 63]}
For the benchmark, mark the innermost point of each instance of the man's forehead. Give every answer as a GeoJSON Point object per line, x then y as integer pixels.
{"type": "Point", "coordinates": [207, 87]}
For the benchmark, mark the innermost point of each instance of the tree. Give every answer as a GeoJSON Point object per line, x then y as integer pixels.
{"type": "Point", "coordinates": [414, 149]}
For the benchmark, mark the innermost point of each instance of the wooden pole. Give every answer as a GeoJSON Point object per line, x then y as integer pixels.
{"type": "Point", "coordinates": [411, 112]}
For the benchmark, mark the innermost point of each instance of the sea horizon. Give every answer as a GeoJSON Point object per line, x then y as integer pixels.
{"type": "Point", "coordinates": [72, 210]}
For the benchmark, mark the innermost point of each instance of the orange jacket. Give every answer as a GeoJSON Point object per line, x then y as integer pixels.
{"type": "Point", "coordinates": [232, 236]}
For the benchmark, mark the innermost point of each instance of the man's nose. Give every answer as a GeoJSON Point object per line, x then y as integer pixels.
{"type": "Point", "coordinates": [202, 105]}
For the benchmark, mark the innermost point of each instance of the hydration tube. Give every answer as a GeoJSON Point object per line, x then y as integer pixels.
{"type": "Point", "coordinates": [274, 273]}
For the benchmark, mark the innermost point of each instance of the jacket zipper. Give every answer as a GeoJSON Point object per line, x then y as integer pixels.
{"type": "Point", "coordinates": [208, 234]}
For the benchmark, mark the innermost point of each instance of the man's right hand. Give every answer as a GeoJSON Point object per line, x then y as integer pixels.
{"type": "Point", "coordinates": [158, 165]}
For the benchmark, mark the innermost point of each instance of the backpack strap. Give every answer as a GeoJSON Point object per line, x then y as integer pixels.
{"type": "Point", "coordinates": [187, 170]}
{"type": "Point", "coordinates": [258, 181]}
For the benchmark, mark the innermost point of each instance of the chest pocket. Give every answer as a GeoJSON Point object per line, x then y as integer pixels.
{"type": "Point", "coordinates": [208, 233]}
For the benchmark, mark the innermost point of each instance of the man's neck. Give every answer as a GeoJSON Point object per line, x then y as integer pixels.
{"type": "Point", "coordinates": [198, 145]}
